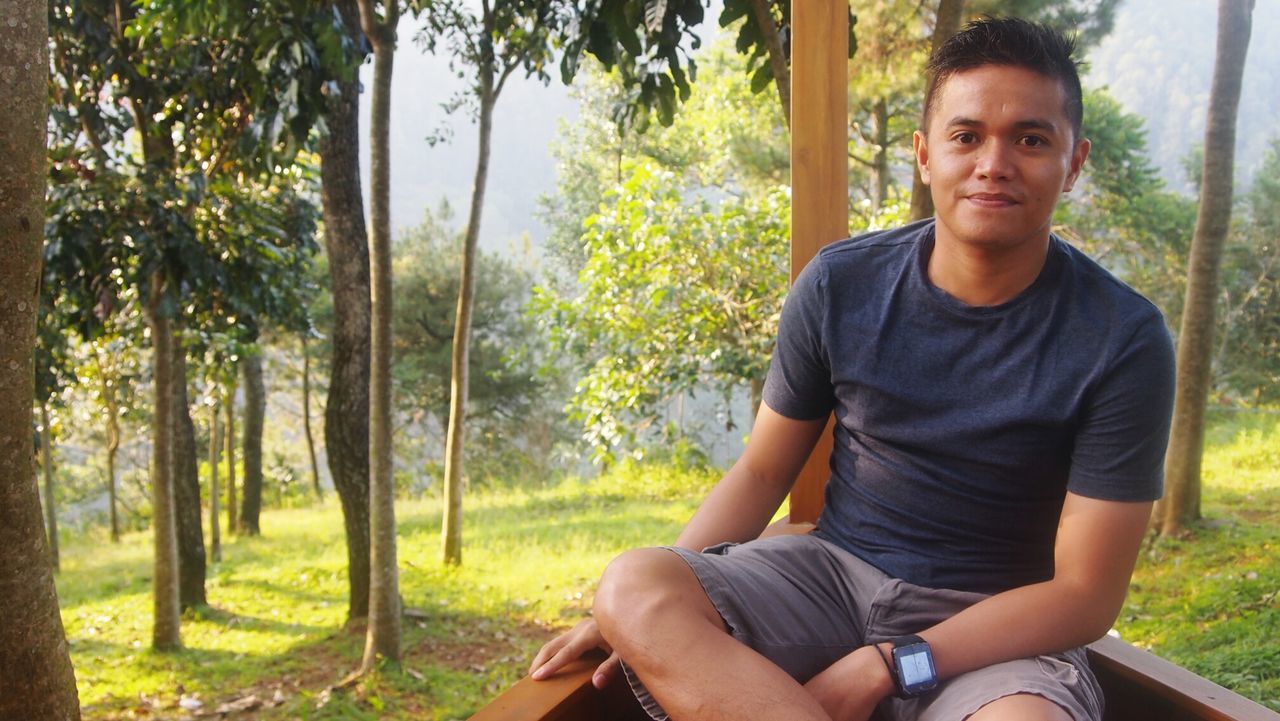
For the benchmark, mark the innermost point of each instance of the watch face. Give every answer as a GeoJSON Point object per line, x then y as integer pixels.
{"type": "Point", "coordinates": [915, 668]}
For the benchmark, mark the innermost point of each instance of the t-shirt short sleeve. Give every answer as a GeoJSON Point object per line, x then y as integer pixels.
{"type": "Point", "coordinates": [1119, 448]}
{"type": "Point", "coordinates": [798, 385]}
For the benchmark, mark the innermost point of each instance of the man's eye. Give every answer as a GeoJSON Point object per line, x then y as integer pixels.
{"type": "Point", "coordinates": [966, 138]}
{"type": "Point", "coordinates": [1033, 141]}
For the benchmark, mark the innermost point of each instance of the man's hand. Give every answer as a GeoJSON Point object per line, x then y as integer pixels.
{"type": "Point", "coordinates": [570, 646]}
{"type": "Point", "coordinates": [850, 688]}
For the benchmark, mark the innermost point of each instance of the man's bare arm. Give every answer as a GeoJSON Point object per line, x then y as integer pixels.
{"type": "Point", "coordinates": [1095, 551]}
{"type": "Point", "coordinates": [741, 504]}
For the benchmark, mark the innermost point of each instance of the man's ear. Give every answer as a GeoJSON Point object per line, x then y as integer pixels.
{"type": "Point", "coordinates": [1078, 156]}
{"type": "Point", "coordinates": [922, 154]}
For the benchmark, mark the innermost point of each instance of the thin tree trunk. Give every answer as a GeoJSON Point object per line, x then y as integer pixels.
{"type": "Point", "coordinates": [346, 414]}
{"type": "Point", "coordinates": [215, 531]}
{"type": "Point", "coordinates": [1181, 504]}
{"type": "Point", "coordinates": [760, 10]}
{"type": "Point", "coordinates": [880, 160]}
{"type": "Point", "coordinates": [306, 418]}
{"type": "Point", "coordinates": [255, 407]}
{"type": "Point", "coordinates": [757, 394]}
{"type": "Point", "coordinates": [34, 663]}
{"type": "Point", "coordinates": [165, 632]}
{"type": "Point", "coordinates": [108, 391]}
{"type": "Point", "coordinates": [50, 507]}
{"type": "Point", "coordinates": [229, 450]}
{"type": "Point", "coordinates": [451, 530]}
{"type": "Point", "coordinates": [383, 637]}
{"type": "Point", "coordinates": [948, 23]}
{"type": "Point", "coordinates": [186, 488]}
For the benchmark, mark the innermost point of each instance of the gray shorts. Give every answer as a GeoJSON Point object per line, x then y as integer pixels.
{"type": "Point", "coordinates": [804, 603]}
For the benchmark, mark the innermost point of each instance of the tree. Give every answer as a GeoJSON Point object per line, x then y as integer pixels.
{"type": "Point", "coordinates": [508, 35]}
{"type": "Point", "coordinates": [507, 356]}
{"type": "Point", "coordinates": [346, 415]}
{"type": "Point", "coordinates": [383, 637]}
{"type": "Point", "coordinates": [255, 406]}
{"type": "Point", "coordinates": [675, 294]}
{"type": "Point", "coordinates": [250, 93]}
{"type": "Point", "coordinates": [1181, 504]}
{"type": "Point", "coordinates": [36, 678]}
{"type": "Point", "coordinates": [215, 493]}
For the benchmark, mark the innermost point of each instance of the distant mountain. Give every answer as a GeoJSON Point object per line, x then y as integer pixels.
{"type": "Point", "coordinates": [1158, 62]}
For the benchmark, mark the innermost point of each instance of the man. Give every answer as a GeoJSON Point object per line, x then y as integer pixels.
{"type": "Point", "coordinates": [1002, 408]}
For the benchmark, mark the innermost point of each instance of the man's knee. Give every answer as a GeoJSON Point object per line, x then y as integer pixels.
{"type": "Point", "coordinates": [645, 587]}
{"type": "Point", "coordinates": [1021, 707]}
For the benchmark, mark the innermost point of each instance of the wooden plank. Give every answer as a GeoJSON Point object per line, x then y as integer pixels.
{"type": "Point", "coordinates": [567, 696]}
{"type": "Point", "coordinates": [1139, 685]}
{"type": "Point", "coordinates": [819, 173]}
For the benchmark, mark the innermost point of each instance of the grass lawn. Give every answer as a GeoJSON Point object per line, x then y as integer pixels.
{"type": "Point", "coordinates": [273, 639]}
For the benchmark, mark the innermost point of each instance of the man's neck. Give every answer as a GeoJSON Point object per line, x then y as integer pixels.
{"type": "Point", "coordinates": [985, 276]}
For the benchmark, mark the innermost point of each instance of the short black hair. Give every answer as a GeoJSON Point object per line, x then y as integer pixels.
{"type": "Point", "coordinates": [1011, 42]}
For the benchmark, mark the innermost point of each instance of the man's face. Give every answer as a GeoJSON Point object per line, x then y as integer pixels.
{"type": "Point", "coordinates": [998, 152]}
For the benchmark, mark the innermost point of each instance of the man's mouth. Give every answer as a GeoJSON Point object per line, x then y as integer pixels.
{"type": "Point", "coordinates": [992, 200]}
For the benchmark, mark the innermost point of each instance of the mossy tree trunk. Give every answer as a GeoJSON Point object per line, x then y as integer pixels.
{"type": "Point", "coordinates": [186, 488]}
{"type": "Point", "coordinates": [165, 632]}
{"type": "Point", "coordinates": [346, 415]}
{"type": "Point", "coordinates": [215, 531]}
{"type": "Point", "coordinates": [50, 500]}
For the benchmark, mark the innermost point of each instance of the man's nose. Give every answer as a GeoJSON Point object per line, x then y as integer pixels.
{"type": "Point", "coordinates": [995, 160]}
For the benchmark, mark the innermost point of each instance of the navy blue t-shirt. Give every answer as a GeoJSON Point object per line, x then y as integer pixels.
{"type": "Point", "coordinates": [959, 429]}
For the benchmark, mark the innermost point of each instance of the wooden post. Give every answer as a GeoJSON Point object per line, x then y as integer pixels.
{"type": "Point", "coordinates": [819, 174]}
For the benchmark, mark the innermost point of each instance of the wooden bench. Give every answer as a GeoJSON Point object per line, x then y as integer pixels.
{"type": "Point", "coordinates": [1138, 687]}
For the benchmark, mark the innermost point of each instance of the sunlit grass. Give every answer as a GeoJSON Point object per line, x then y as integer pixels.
{"type": "Point", "coordinates": [532, 554]}
{"type": "Point", "coordinates": [1211, 601]}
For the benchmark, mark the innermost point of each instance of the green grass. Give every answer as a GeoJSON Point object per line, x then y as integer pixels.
{"type": "Point", "coordinates": [1211, 601]}
{"type": "Point", "coordinates": [278, 603]}
{"type": "Point", "coordinates": [531, 557]}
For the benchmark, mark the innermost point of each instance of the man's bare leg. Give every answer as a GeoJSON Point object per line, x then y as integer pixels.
{"type": "Point", "coordinates": [652, 610]}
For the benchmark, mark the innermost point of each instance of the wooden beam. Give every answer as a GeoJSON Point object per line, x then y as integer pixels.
{"type": "Point", "coordinates": [819, 173]}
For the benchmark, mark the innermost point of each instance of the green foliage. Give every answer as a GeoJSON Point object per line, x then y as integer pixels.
{"type": "Point", "coordinates": [677, 293]}
{"type": "Point", "coordinates": [509, 387]}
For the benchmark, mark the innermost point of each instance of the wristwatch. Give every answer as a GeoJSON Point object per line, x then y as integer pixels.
{"type": "Point", "coordinates": [913, 670]}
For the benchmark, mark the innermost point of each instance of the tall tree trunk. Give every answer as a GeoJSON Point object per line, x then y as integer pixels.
{"type": "Point", "coordinates": [1181, 504]}
{"type": "Point", "coordinates": [34, 663]}
{"type": "Point", "coordinates": [346, 414]}
{"type": "Point", "coordinates": [229, 450]}
{"type": "Point", "coordinates": [383, 637]}
{"type": "Point", "coordinates": [165, 633]}
{"type": "Point", "coordinates": [108, 390]}
{"type": "Point", "coordinates": [215, 531]}
{"type": "Point", "coordinates": [50, 503]}
{"type": "Point", "coordinates": [763, 14]}
{"type": "Point", "coordinates": [186, 488]}
{"type": "Point", "coordinates": [306, 418]}
{"type": "Point", "coordinates": [255, 408]}
{"type": "Point", "coordinates": [948, 23]}
{"type": "Point", "coordinates": [455, 438]}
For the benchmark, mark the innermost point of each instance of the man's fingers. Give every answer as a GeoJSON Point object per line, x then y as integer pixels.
{"type": "Point", "coordinates": [564, 655]}
{"type": "Point", "coordinates": [546, 652]}
{"type": "Point", "coordinates": [606, 671]}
